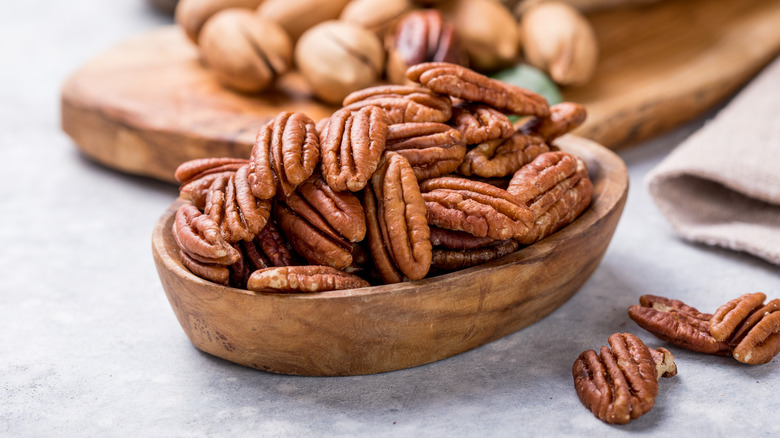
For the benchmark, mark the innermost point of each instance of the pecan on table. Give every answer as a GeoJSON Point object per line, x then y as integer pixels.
{"type": "Point", "coordinates": [502, 157]}
{"type": "Point", "coordinates": [463, 83]}
{"type": "Point", "coordinates": [232, 205]}
{"type": "Point", "coordinates": [620, 384]}
{"type": "Point", "coordinates": [202, 248]}
{"type": "Point", "coordinates": [398, 233]}
{"type": "Point", "coordinates": [196, 176]}
{"type": "Point", "coordinates": [310, 278]}
{"type": "Point", "coordinates": [285, 154]}
{"type": "Point", "coordinates": [403, 103]}
{"type": "Point", "coordinates": [556, 188]}
{"type": "Point", "coordinates": [564, 117]}
{"type": "Point", "coordinates": [475, 207]}
{"type": "Point", "coordinates": [677, 323]}
{"type": "Point", "coordinates": [433, 149]}
{"type": "Point", "coordinates": [751, 327]}
{"type": "Point", "coordinates": [351, 146]}
{"type": "Point", "coordinates": [480, 123]}
{"type": "Point", "coordinates": [454, 259]}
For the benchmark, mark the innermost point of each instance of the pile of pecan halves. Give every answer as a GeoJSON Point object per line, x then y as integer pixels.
{"type": "Point", "coordinates": [620, 384]}
{"type": "Point", "coordinates": [402, 182]}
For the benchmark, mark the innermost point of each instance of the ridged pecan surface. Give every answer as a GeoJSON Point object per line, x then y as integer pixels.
{"type": "Point", "coordinates": [480, 123]}
{"type": "Point", "coordinates": [453, 259]}
{"type": "Point", "coordinates": [564, 117]}
{"type": "Point", "coordinates": [203, 250]}
{"type": "Point", "coordinates": [403, 103]}
{"type": "Point", "coordinates": [432, 149]}
{"type": "Point", "coordinates": [232, 205]}
{"type": "Point", "coordinates": [310, 278]}
{"type": "Point", "coordinates": [502, 157]}
{"type": "Point", "coordinates": [751, 327]}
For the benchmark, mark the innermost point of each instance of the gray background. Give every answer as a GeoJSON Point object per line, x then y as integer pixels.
{"type": "Point", "coordinates": [90, 347]}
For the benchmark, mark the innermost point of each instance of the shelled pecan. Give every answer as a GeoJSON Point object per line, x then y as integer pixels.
{"type": "Point", "coordinates": [458, 81]}
{"type": "Point", "coordinates": [351, 147]}
{"type": "Point", "coordinates": [453, 259]}
{"type": "Point", "coordinates": [620, 384]}
{"type": "Point", "coordinates": [268, 249]}
{"type": "Point", "coordinates": [285, 154]}
{"type": "Point", "coordinates": [196, 176]}
{"type": "Point", "coordinates": [232, 205]}
{"type": "Point", "coordinates": [479, 123]}
{"type": "Point", "coordinates": [502, 157]}
{"type": "Point", "coordinates": [403, 103]}
{"type": "Point", "coordinates": [474, 207]}
{"type": "Point", "coordinates": [450, 239]}
{"type": "Point", "coordinates": [310, 242]}
{"type": "Point", "coordinates": [433, 149]}
{"type": "Point", "coordinates": [751, 328]}
{"type": "Point", "coordinates": [564, 117]}
{"type": "Point", "coordinates": [203, 250]}
{"type": "Point", "coordinates": [310, 278]}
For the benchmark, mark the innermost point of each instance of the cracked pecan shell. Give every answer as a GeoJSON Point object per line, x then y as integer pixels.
{"type": "Point", "coordinates": [564, 117]}
{"type": "Point", "coordinates": [502, 157]}
{"type": "Point", "coordinates": [311, 278]}
{"type": "Point", "coordinates": [620, 384]}
{"type": "Point", "coordinates": [479, 123]}
{"type": "Point", "coordinates": [677, 323]}
{"type": "Point", "coordinates": [238, 213]}
{"type": "Point", "coordinates": [285, 154]}
{"type": "Point", "coordinates": [751, 327]}
{"type": "Point", "coordinates": [351, 147]}
{"type": "Point", "coordinates": [463, 83]}
{"type": "Point", "coordinates": [403, 103]}
{"type": "Point", "coordinates": [475, 207]}
{"type": "Point", "coordinates": [432, 149]}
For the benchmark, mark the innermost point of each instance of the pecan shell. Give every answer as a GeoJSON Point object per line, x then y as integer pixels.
{"type": "Point", "coordinates": [450, 260]}
{"type": "Point", "coordinates": [403, 103]}
{"type": "Point", "coordinates": [564, 117]}
{"type": "Point", "coordinates": [475, 207]}
{"type": "Point", "coordinates": [311, 278]}
{"type": "Point", "coordinates": [502, 157]}
{"type": "Point", "coordinates": [285, 154]}
{"type": "Point", "coordinates": [351, 147]}
{"type": "Point", "coordinates": [433, 149]}
{"type": "Point", "coordinates": [480, 123]}
{"type": "Point", "coordinates": [463, 83]}
{"type": "Point", "coordinates": [618, 384]}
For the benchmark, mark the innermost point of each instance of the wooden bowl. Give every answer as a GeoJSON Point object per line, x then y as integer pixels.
{"type": "Point", "coordinates": [390, 327]}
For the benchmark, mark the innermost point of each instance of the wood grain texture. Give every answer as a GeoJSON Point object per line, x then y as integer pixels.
{"type": "Point", "coordinates": [384, 328]}
{"type": "Point", "coordinates": [148, 105]}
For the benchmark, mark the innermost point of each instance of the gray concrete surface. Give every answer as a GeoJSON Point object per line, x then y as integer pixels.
{"type": "Point", "coordinates": [90, 347]}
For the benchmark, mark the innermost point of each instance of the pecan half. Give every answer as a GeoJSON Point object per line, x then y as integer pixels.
{"type": "Point", "coordinates": [285, 154]}
{"type": "Point", "coordinates": [302, 279]}
{"type": "Point", "coordinates": [197, 176]}
{"type": "Point", "coordinates": [502, 157]}
{"type": "Point", "coordinates": [403, 103]}
{"type": "Point", "coordinates": [450, 239]}
{"type": "Point", "coordinates": [399, 237]}
{"type": "Point", "coordinates": [238, 213]}
{"type": "Point", "coordinates": [619, 384]}
{"type": "Point", "coordinates": [317, 247]}
{"type": "Point", "coordinates": [352, 146]}
{"type": "Point", "coordinates": [453, 259]}
{"type": "Point", "coordinates": [463, 83]}
{"type": "Point", "coordinates": [480, 123]}
{"type": "Point", "coordinates": [564, 117]}
{"type": "Point", "coordinates": [677, 323]}
{"type": "Point", "coordinates": [750, 327]}
{"type": "Point", "coordinates": [269, 248]}
{"type": "Point", "coordinates": [475, 207]}
{"type": "Point", "coordinates": [433, 149]}
{"type": "Point", "coordinates": [338, 214]}
{"type": "Point", "coordinates": [203, 250]}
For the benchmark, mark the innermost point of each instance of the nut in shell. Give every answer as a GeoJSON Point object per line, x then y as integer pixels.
{"type": "Point", "coordinates": [191, 15]}
{"type": "Point", "coordinates": [337, 58]}
{"type": "Point", "coordinates": [297, 16]}
{"type": "Point", "coordinates": [245, 52]}
{"type": "Point", "coordinates": [375, 15]}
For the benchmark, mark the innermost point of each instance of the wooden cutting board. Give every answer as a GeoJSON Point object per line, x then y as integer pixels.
{"type": "Point", "coordinates": [148, 104]}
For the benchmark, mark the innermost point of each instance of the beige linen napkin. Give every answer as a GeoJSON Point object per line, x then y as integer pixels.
{"type": "Point", "coordinates": [721, 186]}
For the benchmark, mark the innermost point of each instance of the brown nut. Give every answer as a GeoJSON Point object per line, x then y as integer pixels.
{"type": "Point", "coordinates": [458, 81]}
{"type": "Point", "coordinates": [351, 147]}
{"type": "Point", "coordinates": [433, 149]}
{"type": "Point", "coordinates": [297, 16]}
{"type": "Point", "coordinates": [238, 213]}
{"type": "Point", "coordinates": [302, 279]}
{"type": "Point", "coordinates": [191, 15]}
{"type": "Point", "coordinates": [750, 327]}
{"type": "Point", "coordinates": [480, 123]}
{"type": "Point", "coordinates": [285, 154]}
{"type": "Point", "coordinates": [502, 157]}
{"type": "Point", "coordinates": [420, 36]}
{"type": "Point", "coordinates": [454, 259]}
{"type": "Point", "coordinates": [244, 51]}
{"type": "Point", "coordinates": [450, 239]}
{"type": "Point", "coordinates": [398, 233]}
{"type": "Point", "coordinates": [475, 207]}
{"type": "Point", "coordinates": [677, 323]}
{"type": "Point", "coordinates": [203, 250]}
{"type": "Point", "coordinates": [375, 15]}
{"type": "Point", "coordinates": [196, 176]}
{"type": "Point", "coordinates": [564, 117]}
{"type": "Point", "coordinates": [337, 58]}
{"type": "Point", "coordinates": [620, 384]}
{"type": "Point", "coordinates": [268, 249]}
{"type": "Point", "coordinates": [403, 104]}
{"type": "Point", "coordinates": [316, 246]}
{"type": "Point", "coordinates": [328, 210]}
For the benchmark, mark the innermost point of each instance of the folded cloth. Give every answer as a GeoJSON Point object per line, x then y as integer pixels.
{"type": "Point", "coordinates": [721, 186]}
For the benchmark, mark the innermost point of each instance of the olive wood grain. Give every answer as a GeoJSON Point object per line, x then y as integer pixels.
{"type": "Point", "coordinates": [148, 104]}
{"type": "Point", "coordinates": [384, 328]}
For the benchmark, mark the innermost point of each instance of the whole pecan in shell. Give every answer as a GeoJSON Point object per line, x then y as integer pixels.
{"type": "Point", "coordinates": [310, 278]}
{"type": "Point", "coordinates": [502, 157]}
{"type": "Point", "coordinates": [475, 207]}
{"type": "Point", "coordinates": [480, 123]}
{"type": "Point", "coordinates": [454, 259]}
{"type": "Point", "coordinates": [751, 327]}
{"type": "Point", "coordinates": [238, 213]}
{"type": "Point", "coordinates": [285, 154]}
{"type": "Point", "coordinates": [351, 147]}
{"type": "Point", "coordinates": [403, 103]}
{"type": "Point", "coordinates": [564, 117]}
{"type": "Point", "coordinates": [458, 81]}
{"type": "Point", "coordinates": [433, 149]}
{"type": "Point", "coordinates": [619, 384]}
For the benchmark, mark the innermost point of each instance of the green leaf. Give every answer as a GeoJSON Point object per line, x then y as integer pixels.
{"type": "Point", "coordinates": [526, 76]}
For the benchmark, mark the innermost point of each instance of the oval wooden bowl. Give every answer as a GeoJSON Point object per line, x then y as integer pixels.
{"type": "Point", "coordinates": [390, 327]}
